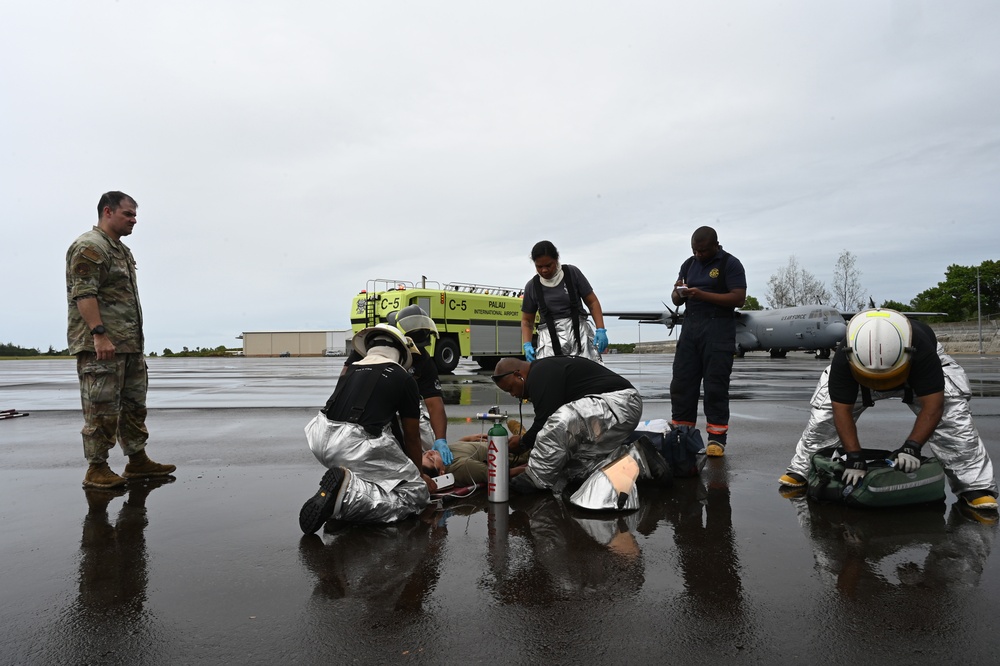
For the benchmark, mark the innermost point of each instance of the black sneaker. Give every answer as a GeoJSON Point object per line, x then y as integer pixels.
{"type": "Point", "coordinates": [522, 485]}
{"type": "Point", "coordinates": [653, 463]}
{"type": "Point", "coordinates": [320, 506]}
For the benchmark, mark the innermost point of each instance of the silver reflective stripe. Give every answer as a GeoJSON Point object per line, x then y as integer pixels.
{"type": "Point", "coordinates": [919, 483]}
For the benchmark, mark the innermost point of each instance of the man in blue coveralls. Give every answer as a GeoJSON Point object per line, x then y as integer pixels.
{"type": "Point", "coordinates": [711, 284]}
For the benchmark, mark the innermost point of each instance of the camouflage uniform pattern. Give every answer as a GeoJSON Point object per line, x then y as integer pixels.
{"type": "Point", "coordinates": [113, 392]}
{"type": "Point", "coordinates": [97, 266]}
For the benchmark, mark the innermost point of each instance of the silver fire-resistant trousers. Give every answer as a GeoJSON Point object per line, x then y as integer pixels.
{"type": "Point", "coordinates": [567, 341]}
{"type": "Point", "coordinates": [383, 485]}
{"type": "Point", "coordinates": [580, 435]}
{"type": "Point", "coordinates": [955, 442]}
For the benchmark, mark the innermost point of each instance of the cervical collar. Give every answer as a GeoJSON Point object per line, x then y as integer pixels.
{"type": "Point", "coordinates": [380, 354]}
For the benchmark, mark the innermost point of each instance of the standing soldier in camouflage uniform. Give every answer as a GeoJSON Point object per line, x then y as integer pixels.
{"type": "Point", "coordinates": [105, 333]}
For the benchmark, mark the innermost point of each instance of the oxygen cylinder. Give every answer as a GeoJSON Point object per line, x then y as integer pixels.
{"type": "Point", "coordinates": [497, 465]}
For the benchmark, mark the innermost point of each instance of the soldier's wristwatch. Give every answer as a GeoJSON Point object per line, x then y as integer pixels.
{"type": "Point", "coordinates": [98, 330]}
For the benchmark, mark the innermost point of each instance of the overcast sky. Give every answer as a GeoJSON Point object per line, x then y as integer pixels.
{"type": "Point", "coordinates": [283, 154]}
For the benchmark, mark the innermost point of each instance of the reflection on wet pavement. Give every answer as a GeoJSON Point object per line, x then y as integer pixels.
{"type": "Point", "coordinates": [308, 382]}
{"type": "Point", "coordinates": [922, 555]}
{"type": "Point", "coordinates": [717, 569]}
{"type": "Point", "coordinates": [109, 614]}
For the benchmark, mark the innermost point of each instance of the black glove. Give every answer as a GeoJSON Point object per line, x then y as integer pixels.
{"type": "Point", "coordinates": [855, 468]}
{"type": "Point", "coordinates": [907, 456]}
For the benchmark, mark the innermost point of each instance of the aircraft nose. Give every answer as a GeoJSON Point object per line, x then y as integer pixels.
{"type": "Point", "coordinates": [837, 328]}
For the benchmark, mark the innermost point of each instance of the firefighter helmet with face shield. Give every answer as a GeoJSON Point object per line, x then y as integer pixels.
{"type": "Point", "coordinates": [414, 323]}
{"type": "Point", "coordinates": [383, 334]}
{"type": "Point", "coordinates": [879, 348]}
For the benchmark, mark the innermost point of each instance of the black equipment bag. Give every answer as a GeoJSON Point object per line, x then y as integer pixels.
{"type": "Point", "coordinates": [681, 446]}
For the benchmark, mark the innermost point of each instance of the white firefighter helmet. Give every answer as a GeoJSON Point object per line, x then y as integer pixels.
{"type": "Point", "coordinates": [383, 334]}
{"type": "Point", "coordinates": [414, 323]}
{"type": "Point", "coordinates": [879, 348]}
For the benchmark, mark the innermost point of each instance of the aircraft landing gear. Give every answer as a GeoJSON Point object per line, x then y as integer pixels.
{"type": "Point", "coordinates": [778, 353]}
{"type": "Point", "coordinates": [823, 353]}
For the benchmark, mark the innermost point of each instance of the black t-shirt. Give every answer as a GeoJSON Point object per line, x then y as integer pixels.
{"type": "Point", "coordinates": [718, 275]}
{"type": "Point", "coordinates": [557, 297]}
{"type": "Point", "coordinates": [925, 378]}
{"type": "Point", "coordinates": [395, 393]}
{"type": "Point", "coordinates": [424, 371]}
{"type": "Point", "coordinates": [558, 380]}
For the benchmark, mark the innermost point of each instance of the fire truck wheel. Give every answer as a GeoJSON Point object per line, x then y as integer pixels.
{"type": "Point", "coordinates": [446, 355]}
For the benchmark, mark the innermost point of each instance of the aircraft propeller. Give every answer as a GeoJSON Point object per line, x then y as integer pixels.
{"type": "Point", "coordinates": [670, 320]}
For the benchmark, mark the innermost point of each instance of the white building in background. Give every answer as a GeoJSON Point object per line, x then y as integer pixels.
{"type": "Point", "coordinates": [296, 343]}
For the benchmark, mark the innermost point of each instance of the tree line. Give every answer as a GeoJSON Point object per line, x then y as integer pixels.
{"type": "Point", "coordinates": [10, 349]}
{"type": "Point", "coordinates": [956, 295]}
{"type": "Point", "coordinates": [197, 351]}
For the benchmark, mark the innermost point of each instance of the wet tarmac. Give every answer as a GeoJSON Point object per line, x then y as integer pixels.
{"type": "Point", "coordinates": [212, 568]}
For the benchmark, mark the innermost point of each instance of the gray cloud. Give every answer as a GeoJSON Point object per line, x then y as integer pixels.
{"type": "Point", "coordinates": [283, 155]}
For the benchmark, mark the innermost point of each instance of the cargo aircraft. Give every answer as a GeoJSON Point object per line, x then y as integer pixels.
{"type": "Point", "coordinates": [816, 328]}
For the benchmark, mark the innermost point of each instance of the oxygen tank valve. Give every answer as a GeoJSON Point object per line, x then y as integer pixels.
{"type": "Point", "coordinates": [492, 415]}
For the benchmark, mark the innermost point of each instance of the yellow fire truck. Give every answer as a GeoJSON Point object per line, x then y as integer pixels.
{"type": "Point", "coordinates": [478, 321]}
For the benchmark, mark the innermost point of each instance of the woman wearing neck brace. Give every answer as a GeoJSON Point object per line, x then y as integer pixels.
{"type": "Point", "coordinates": [558, 293]}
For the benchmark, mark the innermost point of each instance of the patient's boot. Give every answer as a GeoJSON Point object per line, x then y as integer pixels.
{"type": "Point", "coordinates": [610, 488]}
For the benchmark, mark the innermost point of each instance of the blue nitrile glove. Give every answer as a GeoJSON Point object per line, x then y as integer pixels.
{"type": "Point", "coordinates": [855, 468]}
{"type": "Point", "coordinates": [441, 446]}
{"type": "Point", "coordinates": [529, 351]}
{"type": "Point", "coordinates": [907, 456]}
{"type": "Point", "coordinates": [601, 339]}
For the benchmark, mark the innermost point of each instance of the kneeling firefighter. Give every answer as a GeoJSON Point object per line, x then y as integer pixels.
{"type": "Point", "coordinates": [886, 355]}
{"type": "Point", "coordinates": [414, 323]}
{"type": "Point", "coordinates": [373, 462]}
{"type": "Point", "coordinates": [583, 413]}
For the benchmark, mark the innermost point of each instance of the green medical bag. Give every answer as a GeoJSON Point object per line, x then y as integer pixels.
{"type": "Point", "coordinates": [882, 486]}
